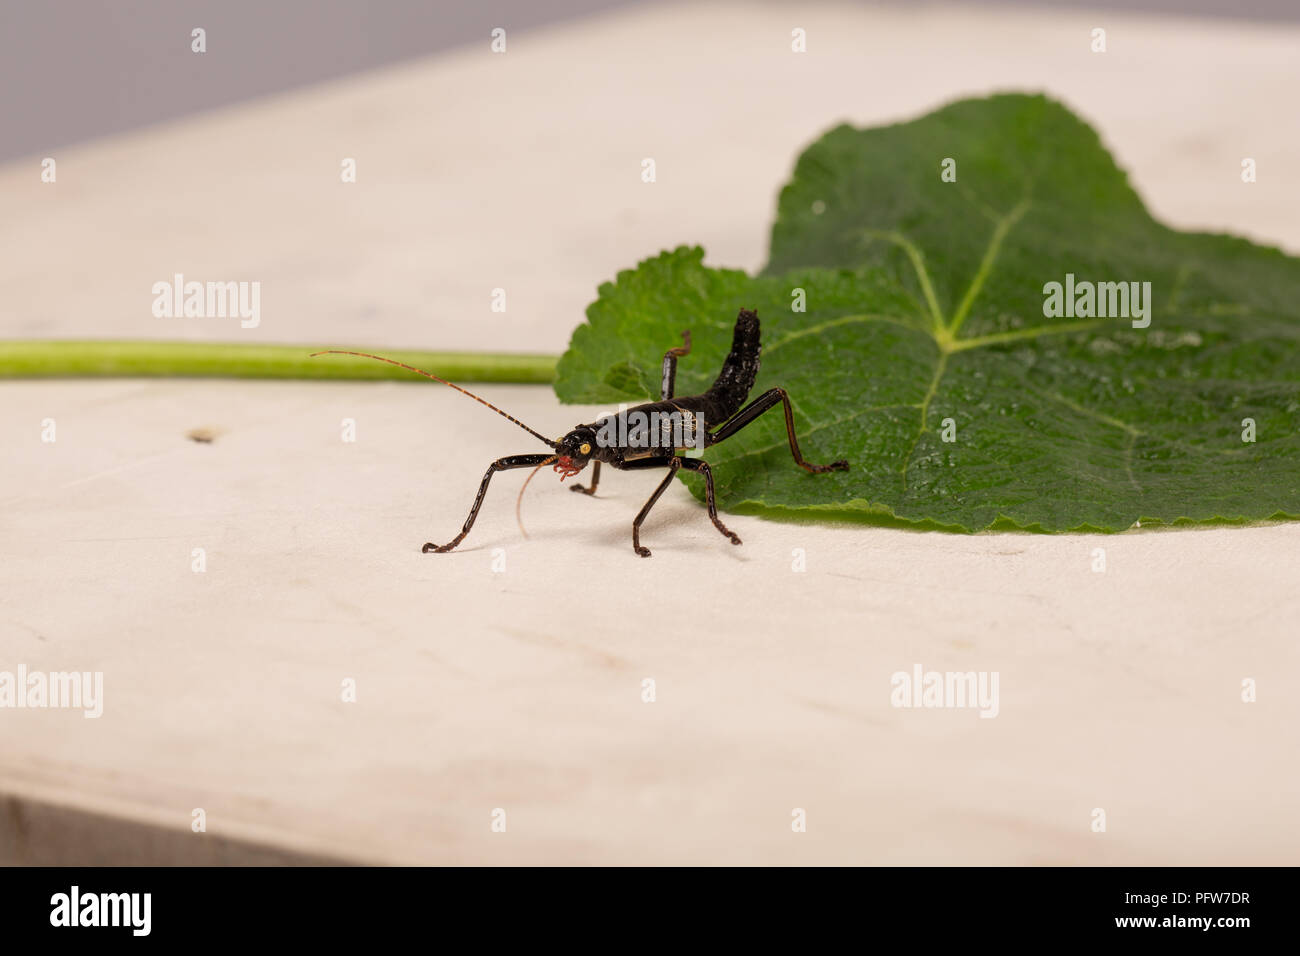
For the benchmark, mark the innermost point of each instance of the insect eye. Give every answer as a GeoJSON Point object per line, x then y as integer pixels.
{"type": "Point", "coordinates": [585, 449]}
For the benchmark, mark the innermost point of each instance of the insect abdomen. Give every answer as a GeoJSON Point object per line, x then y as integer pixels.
{"type": "Point", "coordinates": [739, 370]}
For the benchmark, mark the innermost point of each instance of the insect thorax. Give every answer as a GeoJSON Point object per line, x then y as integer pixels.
{"type": "Point", "coordinates": [657, 428]}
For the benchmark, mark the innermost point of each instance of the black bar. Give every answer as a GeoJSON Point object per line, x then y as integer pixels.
{"type": "Point", "coordinates": [329, 905]}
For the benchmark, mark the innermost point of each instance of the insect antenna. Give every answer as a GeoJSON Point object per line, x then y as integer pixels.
{"type": "Point", "coordinates": [438, 378]}
{"type": "Point", "coordinates": [519, 502]}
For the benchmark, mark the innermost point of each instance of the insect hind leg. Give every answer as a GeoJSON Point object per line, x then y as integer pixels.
{"type": "Point", "coordinates": [670, 366]}
{"type": "Point", "coordinates": [757, 407]}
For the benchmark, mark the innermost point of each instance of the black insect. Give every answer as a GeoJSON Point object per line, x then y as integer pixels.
{"type": "Point", "coordinates": [622, 441]}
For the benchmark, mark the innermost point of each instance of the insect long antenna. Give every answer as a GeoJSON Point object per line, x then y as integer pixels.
{"type": "Point", "coordinates": [519, 502]}
{"type": "Point", "coordinates": [438, 378]}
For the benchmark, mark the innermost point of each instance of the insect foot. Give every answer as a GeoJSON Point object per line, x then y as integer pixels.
{"type": "Point", "coordinates": [717, 523]}
{"type": "Point", "coordinates": [841, 465]}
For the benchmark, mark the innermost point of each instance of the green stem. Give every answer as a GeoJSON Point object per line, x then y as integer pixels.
{"type": "Point", "coordinates": [132, 359]}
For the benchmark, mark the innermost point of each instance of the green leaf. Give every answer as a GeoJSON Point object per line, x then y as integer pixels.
{"type": "Point", "coordinates": [925, 320]}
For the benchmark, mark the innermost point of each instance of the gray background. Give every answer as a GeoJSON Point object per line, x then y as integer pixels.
{"type": "Point", "coordinates": [71, 71]}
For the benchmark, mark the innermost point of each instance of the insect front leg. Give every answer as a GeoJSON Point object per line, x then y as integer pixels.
{"type": "Point", "coordinates": [762, 404]}
{"type": "Point", "coordinates": [595, 480]}
{"type": "Point", "coordinates": [670, 366]}
{"type": "Point", "coordinates": [501, 464]}
{"type": "Point", "coordinates": [701, 466]}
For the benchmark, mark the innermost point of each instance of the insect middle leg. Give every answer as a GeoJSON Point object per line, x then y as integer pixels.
{"type": "Point", "coordinates": [501, 464]}
{"type": "Point", "coordinates": [673, 464]}
{"type": "Point", "coordinates": [762, 404]}
{"type": "Point", "coordinates": [702, 467]}
{"type": "Point", "coordinates": [670, 366]}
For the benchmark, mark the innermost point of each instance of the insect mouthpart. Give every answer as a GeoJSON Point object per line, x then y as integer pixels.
{"type": "Point", "coordinates": [566, 467]}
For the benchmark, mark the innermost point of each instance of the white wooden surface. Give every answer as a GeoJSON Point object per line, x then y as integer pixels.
{"type": "Point", "coordinates": [521, 690]}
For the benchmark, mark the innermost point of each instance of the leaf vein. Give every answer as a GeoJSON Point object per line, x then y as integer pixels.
{"type": "Point", "coordinates": [753, 452]}
{"type": "Point", "coordinates": [832, 323]}
{"type": "Point", "coordinates": [986, 264]}
{"type": "Point", "coordinates": [918, 264]}
{"type": "Point", "coordinates": [939, 368]}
